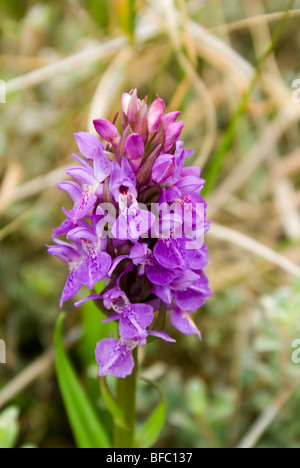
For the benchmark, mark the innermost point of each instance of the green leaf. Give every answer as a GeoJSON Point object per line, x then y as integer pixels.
{"type": "Point", "coordinates": [152, 428]}
{"type": "Point", "coordinates": [149, 433]}
{"type": "Point", "coordinates": [112, 405]}
{"type": "Point", "coordinates": [87, 429]}
{"type": "Point", "coordinates": [9, 427]}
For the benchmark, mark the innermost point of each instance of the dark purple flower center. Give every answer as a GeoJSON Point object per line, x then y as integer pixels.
{"type": "Point", "coordinates": [123, 190]}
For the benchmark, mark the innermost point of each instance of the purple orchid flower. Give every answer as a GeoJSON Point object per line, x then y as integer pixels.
{"type": "Point", "coordinates": [132, 222]}
{"type": "Point", "coordinates": [90, 178]}
{"type": "Point", "coordinates": [133, 318]}
{"type": "Point", "coordinates": [147, 260]}
{"type": "Point", "coordinates": [88, 144]}
{"type": "Point", "coordinates": [96, 262]}
{"type": "Point", "coordinates": [122, 181]}
{"type": "Point", "coordinates": [168, 167]}
{"type": "Point", "coordinates": [115, 356]}
{"type": "Point", "coordinates": [189, 292]}
{"type": "Point", "coordinates": [135, 150]}
{"type": "Point", "coordinates": [77, 274]}
{"type": "Point", "coordinates": [157, 274]}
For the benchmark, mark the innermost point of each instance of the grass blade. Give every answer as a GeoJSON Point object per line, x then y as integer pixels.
{"type": "Point", "coordinates": [88, 431]}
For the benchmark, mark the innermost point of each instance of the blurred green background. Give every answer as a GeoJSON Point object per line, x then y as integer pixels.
{"type": "Point", "coordinates": [65, 63]}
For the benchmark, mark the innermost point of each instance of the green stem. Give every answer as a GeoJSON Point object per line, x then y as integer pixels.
{"type": "Point", "coordinates": [126, 400]}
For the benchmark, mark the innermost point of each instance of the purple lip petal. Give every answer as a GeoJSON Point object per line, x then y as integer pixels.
{"type": "Point", "coordinates": [133, 318]}
{"type": "Point", "coordinates": [88, 144]}
{"type": "Point", "coordinates": [71, 288]}
{"type": "Point", "coordinates": [144, 314]}
{"type": "Point", "coordinates": [115, 358]}
{"type": "Point", "coordinates": [98, 266]}
{"type": "Point", "coordinates": [84, 207]}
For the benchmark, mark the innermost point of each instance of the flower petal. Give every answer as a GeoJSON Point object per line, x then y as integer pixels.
{"type": "Point", "coordinates": [135, 148]}
{"type": "Point", "coordinates": [162, 335]}
{"type": "Point", "coordinates": [102, 166]}
{"type": "Point", "coordinates": [107, 131]}
{"type": "Point", "coordinates": [72, 189]}
{"type": "Point", "coordinates": [72, 285]}
{"type": "Point", "coordinates": [183, 322]}
{"type": "Point", "coordinates": [82, 175]}
{"type": "Point", "coordinates": [189, 184]}
{"type": "Point", "coordinates": [88, 144]}
{"type": "Point", "coordinates": [159, 275]}
{"type": "Point", "coordinates": [168, 254]}
{"type": "Point", "coordinates": [114, 358]}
